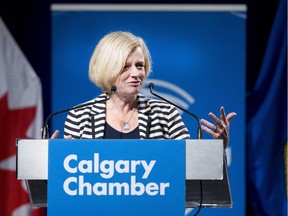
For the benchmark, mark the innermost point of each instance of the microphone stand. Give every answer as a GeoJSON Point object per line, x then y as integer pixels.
{"type": "Point", "coordinates": [199, 136]}
{"type": "Point", "coordinates": [45, 134]}
{"type": "Point", "coordinates": [199, 130]}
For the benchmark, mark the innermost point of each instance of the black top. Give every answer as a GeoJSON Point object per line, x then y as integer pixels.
{"type": "Point", "coordinates": [111, 133]}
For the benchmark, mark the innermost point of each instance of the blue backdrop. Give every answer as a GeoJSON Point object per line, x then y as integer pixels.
{"type": "Point", "coordinates": [198, 62]}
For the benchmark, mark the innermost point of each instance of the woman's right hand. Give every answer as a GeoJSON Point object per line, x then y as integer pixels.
{"type": "Point", "coordinates": [56, 134]}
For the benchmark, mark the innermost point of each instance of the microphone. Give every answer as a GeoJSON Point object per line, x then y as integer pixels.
{"type": "Point", "coordinates": [199, 130]}
{"type": "Point", "coordinates": [199, 134]}
{"type": "Point", "coordinates": [45, 134]}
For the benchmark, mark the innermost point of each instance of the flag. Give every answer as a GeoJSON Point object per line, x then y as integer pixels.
{"type": "Point", "coordinates": [267, 126]}
{"type": "Point", "coordinates": [20, 117]}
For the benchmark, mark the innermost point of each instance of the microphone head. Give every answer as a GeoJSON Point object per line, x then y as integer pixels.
{"type": "Point", "coordinates": [151, 85]}
{"type": "Point", "coordinates": [113, 89]}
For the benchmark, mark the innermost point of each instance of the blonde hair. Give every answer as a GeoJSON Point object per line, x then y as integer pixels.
{"type": "Point", "coordinates": [110, 55]}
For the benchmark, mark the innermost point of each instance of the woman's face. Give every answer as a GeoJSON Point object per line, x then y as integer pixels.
{"type": "Point", "coordinates": [130, 80]}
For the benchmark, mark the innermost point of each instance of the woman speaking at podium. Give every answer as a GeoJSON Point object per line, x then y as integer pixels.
{"type": "Point", "coordinates": [119, 65]}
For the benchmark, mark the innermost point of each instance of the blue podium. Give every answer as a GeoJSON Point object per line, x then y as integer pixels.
{"type": "Point", "coordinates": [123, 177]}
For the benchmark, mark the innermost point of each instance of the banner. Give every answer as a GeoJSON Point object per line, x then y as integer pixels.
{"type": "Point", "coordinates": [116, 177]}
{"type": "Point", "coordinates": [198, 54]}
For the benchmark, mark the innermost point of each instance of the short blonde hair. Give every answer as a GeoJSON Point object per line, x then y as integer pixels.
{"type": "Point", "coordinates": [110, 55]}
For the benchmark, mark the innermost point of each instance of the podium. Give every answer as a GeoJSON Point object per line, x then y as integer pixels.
{"type": "Point", "coordinates": [202, 161]}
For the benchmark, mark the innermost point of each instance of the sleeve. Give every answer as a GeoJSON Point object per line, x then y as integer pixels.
{"type": "Point", "coordinates": [176, 126]}
{"type": "Point", "coordinates": [72, 125]}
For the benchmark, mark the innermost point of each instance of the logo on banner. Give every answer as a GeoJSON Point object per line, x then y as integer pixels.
{"type": "Point", "coordinates": [181, 98]}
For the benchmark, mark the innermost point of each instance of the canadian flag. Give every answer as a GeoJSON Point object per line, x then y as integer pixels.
{"type": "Point", "coordinates": [20, 117]}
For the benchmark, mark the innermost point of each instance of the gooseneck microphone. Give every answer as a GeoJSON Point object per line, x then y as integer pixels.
{"type": "Point", "coordinates": [199, 130]}
{"type": "Point", "coordinates": [45, 134]}
{"type": "Point", "coordinates": [199, 136]}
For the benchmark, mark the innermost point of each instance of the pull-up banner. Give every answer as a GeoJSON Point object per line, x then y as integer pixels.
{"type": "Point", "coordinates": [136, 178]}
{"type": "Point", "coordinates": [199, 63]}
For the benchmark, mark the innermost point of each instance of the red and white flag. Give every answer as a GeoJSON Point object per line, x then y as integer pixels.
{"type": "Point", "coordinates": [20, 117]}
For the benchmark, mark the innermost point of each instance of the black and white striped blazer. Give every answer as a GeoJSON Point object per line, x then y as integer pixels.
{"type": "Point", "coordinates": [156, 120]}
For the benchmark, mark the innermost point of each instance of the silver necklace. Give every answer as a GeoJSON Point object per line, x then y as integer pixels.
{"type": "Point", "coordinates": [126, 126]}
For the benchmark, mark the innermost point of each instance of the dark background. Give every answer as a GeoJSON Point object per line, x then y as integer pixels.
{"type": "Point", "coordinates": [29, 23]}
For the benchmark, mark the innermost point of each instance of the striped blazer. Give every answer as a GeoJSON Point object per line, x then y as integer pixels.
{"type": "Point", "coordinates": [156, 120]}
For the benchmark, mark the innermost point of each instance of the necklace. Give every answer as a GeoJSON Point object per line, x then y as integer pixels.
{"type": "Point", "coordinates": [126, 126]}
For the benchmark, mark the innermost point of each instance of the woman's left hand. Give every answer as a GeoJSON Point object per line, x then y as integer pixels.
{"type": "Point", "coordinates": [220, 128]}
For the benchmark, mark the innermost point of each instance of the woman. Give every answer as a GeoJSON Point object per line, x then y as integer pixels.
{"type": "Point", "coordinates": [123, 60]}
